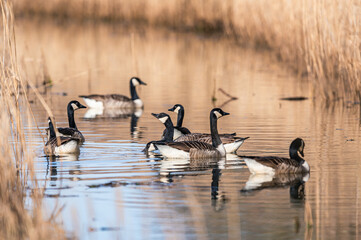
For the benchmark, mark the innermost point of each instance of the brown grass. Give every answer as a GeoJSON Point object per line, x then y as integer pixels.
{"type": "Point", "coordinates": [21, 211]}
{"type": "Point", "coordinates": [318, 39]}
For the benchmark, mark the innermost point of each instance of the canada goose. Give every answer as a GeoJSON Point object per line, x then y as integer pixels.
{"type": "Point", "coordinates": [72, 130]}
{"type": "Point", "coordinates": [60, 145]}
{"type": "Point", "coordinates": [274, 165]}
{"type": "Point", "coordinates": [178, 129]}
{"type": "Point", "coordinates": [182, 134]}
{"type": "Point", "coordinates": [116, 100]}
{"type": "Point", "coordinates": [230, 141]}
{"type": "Point", "coordinates": [195, 149]}
{"type": "Point", "coordinates": [168, 135]}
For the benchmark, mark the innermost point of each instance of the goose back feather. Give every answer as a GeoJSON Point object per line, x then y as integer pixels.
{"type": "Point", "coordinates": [188, 149]}
{"type": "Point", "coordinates": [193, 149]}
{"type": "Point", "coordinates": [275, 165]}
{"type": "Point", "coordinates": [116, 100]}
{"type": "Point", "coordinates": [230, 141]}
{"type": "Point", "coordinates": [60, 144]}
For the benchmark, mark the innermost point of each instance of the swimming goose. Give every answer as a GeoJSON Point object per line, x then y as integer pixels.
{"type": "Point", "coordinates": [230, 141]}
{"type": "Point", "coordinates": [181, 134]}
{"type": "Point", "coordinates": [116, 100]}
{"type": "Point", "coordinates": [274, 165]}
{"type": "Point", "coordinates": [72, 130]}
{"type": "Point", "coordinates": [195, 149]}
{"type": "Point", "coordinates": [168, 135]}
{"type": "Point", "coordinates": [60, 145]}
{"type": "Point", "coordinates": [178, 129]}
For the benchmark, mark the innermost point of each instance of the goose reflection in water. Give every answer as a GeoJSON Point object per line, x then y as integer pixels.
{"type": "Point", "coordinates": [186, 167]}
{"type": "Point", "coordinates": [296, 182]}
{"type": "Point", "coordinates": [117, 113]}
{"type": "Point", "coordinates": [218, 198]}
{"type": "Point", "coordinates": [52, 166]}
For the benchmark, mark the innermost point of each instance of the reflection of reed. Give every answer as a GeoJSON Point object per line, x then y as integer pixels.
{"type": "Point", "coordinates": [308, 221]}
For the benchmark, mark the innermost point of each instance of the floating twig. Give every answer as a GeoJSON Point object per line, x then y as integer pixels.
{"type": "Point", "coordinates": [227, 94]}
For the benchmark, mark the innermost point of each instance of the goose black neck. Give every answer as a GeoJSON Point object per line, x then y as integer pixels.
{"type": "Point", "coordinates": [52, 130]}
{"type": "Point", "coordinates": [216, 140]}
{"type": "Point", "coordinates": [296, 156]}
{"type": "Point", "coordinates": [133, 91]}
{"type": "Point", "coordinates": [168, 136]}
{"type": "Point", "coordinates": [71, 117]}
{"type": "Point", "coordinates": [180, 117]}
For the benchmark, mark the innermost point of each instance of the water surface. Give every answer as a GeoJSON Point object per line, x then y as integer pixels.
{"type": "Point", "coordinates": [112, 190]}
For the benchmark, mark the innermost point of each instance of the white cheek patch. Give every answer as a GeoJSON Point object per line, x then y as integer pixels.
{"type": "Point", "coordinates": [74, 106]}
{"type": "Point", "coordinates": [218, 115]}
{"type": "Point", "coordinates": [177, 110]}
{"type": "Point", "coordinates": [163, 119]}
{"type": "Point", "coordinates": [135, 82]}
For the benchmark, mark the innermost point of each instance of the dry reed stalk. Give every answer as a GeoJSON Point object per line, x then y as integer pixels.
{"type": "Point", "coordinates": [320, 39]}
{"type": "Point", "coordinates": [21, 212]}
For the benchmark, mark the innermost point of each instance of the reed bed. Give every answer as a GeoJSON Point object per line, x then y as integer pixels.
{"type": "Point", "coordinates": [21, 211]}
{"type": "Point", "coordinates": [320, 40]}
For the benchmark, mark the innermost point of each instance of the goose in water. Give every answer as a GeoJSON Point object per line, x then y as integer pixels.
{"type": "Point", "coordinates": [60, 145]}
{"type": "Point", "coordinates": [195, 149]}
{"type": "Point", "coordinates": [230, 141]}
{"type": "Point", "coordinates": [274, 165]}
{"type": "Point", "coordinates": [72, 130]}
{"type": "Point", "coordinates": [178, 129]}
{"type": "Point", "coordinates": [168, 135]}
{"type": "Point", "coordinates": [116, 100]}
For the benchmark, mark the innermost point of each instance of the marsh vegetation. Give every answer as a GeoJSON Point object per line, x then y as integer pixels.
{"type": "Point", "coordinates": [319, 40]}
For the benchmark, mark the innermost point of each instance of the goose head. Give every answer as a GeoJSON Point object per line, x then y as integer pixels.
{"type": "Point", "coordinates": [163, 117]}
{"type": "Point", "coordinates": [296, 149]}
{"type": "Point", "coordinates": [176, 108]}
{"type": "Point", "coordinates": [218, 113]}
{"type": "Point", "coordinates": [75, 105]}
{"type": "Point", "coordinates": [136, 81]}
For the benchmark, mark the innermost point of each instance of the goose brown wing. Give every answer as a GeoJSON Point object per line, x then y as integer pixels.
{"type": "Point", "coordinates": [120, 98]}
{"type": "Point", "coordinates": [188, 145]}
{"type": "Point", "coordinates": [98, 97]}
{"type": "Point", "coordinates": [231, 138]}
{"type": "Point", "coordinates": [205, 137]}
{"type": "Point", "coordinates": [191, 137]}
{"type": "Point", "coordinates": [71, 132]}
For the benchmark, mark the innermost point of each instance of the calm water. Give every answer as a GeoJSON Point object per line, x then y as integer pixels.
{"type": "Point", "coordinates": [112, 190]}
